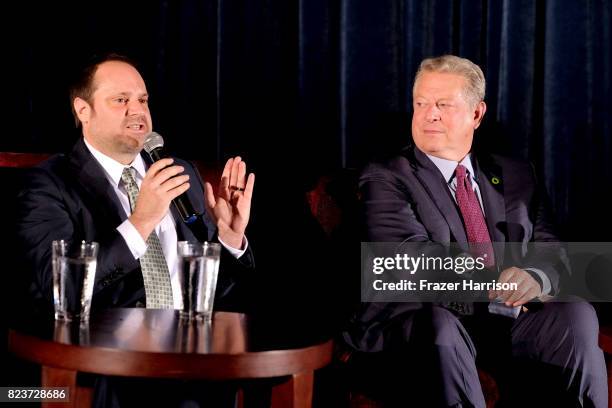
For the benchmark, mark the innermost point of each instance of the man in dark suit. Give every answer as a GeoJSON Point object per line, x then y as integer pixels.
{"type": "Point", "coordinates": [104, 191]}
{"type": "Point", "coordinates": [81, 196]}
{"type": "Point", "coordinates": [439, 191]}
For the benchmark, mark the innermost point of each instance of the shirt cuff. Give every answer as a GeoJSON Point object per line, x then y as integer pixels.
{"type": "Point", "coordinates": [134, 241]}
{"type": "Point", "coordinates": [546, 285]}
{"type": "Point", "coordinates": [236, 253]}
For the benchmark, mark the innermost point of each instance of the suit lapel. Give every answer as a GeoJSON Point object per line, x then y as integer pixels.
{"type": "Point", "coordinates": [490, 182]}
{"type": "Point", "coordinates": [490, 179]}
{"type": "Point", "coordinates": [432, 180]}
{"type": "Point", "coordinates": [183, 233]}
{"type": "Point", "coordinates": [91, 179]}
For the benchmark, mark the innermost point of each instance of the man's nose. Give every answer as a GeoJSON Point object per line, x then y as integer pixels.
{"type": "Point", "coordinates": [432, 114]}
{"type": "Point", "coordinates": [135, 108]}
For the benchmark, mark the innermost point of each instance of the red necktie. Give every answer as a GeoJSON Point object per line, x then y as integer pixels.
{"type": "Point", "coordinates": [475, 225]}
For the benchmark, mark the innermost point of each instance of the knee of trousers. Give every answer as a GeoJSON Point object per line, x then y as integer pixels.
{"type": "Point", "coordinates": [447, 330]}
{"type": "Point", "coordinates": [578, 320]}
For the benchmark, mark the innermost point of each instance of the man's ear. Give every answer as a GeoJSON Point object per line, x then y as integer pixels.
{"type": "Point", "coordinates": [479, 113]}
{"type": "Point", "coordinates": [82, 109]}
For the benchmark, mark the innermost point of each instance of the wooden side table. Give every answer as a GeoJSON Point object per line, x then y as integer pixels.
{"type": "Point", "coordinates": [157, 344]}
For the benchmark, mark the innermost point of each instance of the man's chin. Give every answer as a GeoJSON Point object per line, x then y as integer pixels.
{"type": "Point", "coordinates": [133, 149]}
{"type": "Point", "coordinates": [134, 144]}
{"type": "Point", "coordinates": [430, 148]}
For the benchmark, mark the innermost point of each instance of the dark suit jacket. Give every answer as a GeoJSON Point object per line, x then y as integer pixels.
{"type": "Point", "coordinates": [69, 197]}
{"type": "Point", "coordinates": [407, 199]}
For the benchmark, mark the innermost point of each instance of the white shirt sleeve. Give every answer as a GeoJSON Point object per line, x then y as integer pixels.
{"type": "Point", "coordinates": [132, 238]}
{"type": "Point", "coordinates": [236, 253]}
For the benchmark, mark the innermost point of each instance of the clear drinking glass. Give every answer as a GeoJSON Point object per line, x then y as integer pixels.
{"type": "Point", "coordinates": [74, 272]}
{"type": "Point", "coordinates": [198, 270]}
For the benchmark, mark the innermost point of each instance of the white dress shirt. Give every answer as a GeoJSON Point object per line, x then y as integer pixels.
{"type": "Point", "coordinates": [448, 167]}
{"type": "Point", "coordinates": [166, 229]}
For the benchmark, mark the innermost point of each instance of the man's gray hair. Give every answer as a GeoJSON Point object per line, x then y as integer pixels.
{"type": "Point", "coordinates": [474, 78]}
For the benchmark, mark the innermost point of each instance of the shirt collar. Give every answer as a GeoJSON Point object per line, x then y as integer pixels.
{"type": "Point", "coordinates": [448, 167]}
{"type": "Point", "coordinates": [113, 168]}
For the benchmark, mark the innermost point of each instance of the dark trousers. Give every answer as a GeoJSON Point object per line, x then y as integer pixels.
{"type": "Point", "coordinates": [548, 356]}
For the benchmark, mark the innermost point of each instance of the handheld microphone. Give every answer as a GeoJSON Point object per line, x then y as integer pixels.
{"type": "Point", "coordinates": [154, 146]}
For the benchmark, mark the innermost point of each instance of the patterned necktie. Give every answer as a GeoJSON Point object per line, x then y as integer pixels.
{"type": "Point", "coordinates": [475, 225]}
{"type": "Point", "coordinates": [153, 263]}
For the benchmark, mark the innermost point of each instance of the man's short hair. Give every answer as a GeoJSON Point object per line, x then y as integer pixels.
{"type": "Point", "coordinates": [83, 85]}
{"type": "Point", "coordinates": [451, 64]}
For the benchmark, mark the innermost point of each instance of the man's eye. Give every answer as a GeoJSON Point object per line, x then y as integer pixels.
{"type": "Point", "coordinates": [144, 101]}
{"type": "Point", "coordinates": [121, 100]}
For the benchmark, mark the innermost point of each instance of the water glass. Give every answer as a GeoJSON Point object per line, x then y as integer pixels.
{"type": "Point", "coordinates": [74, 271]}
{"type": "Point", "coordinates": [198, 269]}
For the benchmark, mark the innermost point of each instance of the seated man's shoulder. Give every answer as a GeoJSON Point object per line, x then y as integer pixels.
{"type": "Point", "coordinates": [512, 167]}
{"type": "Point", "coordinates": [399, 163]}
{"type": "Point", "coordinates": [54, 168]}
{"type": "Point", "coordinates": [507, 161]}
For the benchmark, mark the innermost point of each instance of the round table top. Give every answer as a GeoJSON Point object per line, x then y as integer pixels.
{"type": "Point", "coordinates": [157, 343]}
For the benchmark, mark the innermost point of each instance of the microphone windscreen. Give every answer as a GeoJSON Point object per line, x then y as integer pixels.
{"type": "Point", "coordinates": [153, 141]}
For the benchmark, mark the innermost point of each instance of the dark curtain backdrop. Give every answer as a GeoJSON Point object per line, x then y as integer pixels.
{"type": "Point", "coordinates": [303, 88]}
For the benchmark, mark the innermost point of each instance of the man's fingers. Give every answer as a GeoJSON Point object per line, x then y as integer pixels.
{"type": "Point", "coordinates": [516, 295]}
{"type": "Point", "coordinates": [241, 180]}
{"type": "Point", "coordinates": [174, 182]}
{"type": "Point", "coordinates": [510, 275]}
{"type": "Point", "coordinates": [526, 297]}
{"type": "Point", "coordinates": [506, 294]}
{"type": "Point", "coordinates": [248, 189]}
{"type": "Point", "coordinates": [226, 171]}
{"type": "Point", "coordinates": [492, 294]}
{"type": "Point", "coordinates": [504, 277]}
{"type": "Point", "coordinates": [224, 188]}
{"type": "Point", "coordinates": [177, 191]}
{"type": "Point", "coordinates": [168, 172]}
{"type": "Point", "coordinates": [159, 165]}
{"type": "Point", "coordinates": [210, 196]}
{"type": "Point", "coordinates": [234, 172]}
{"type": "Point", "coordinates": [527, 287]}
{"type": "Point", "coordinates": [501, 297]}
{"type": "Point", "coordinates": [507, 275]}
{"type": "Point", "coordinates": [532, 291]}
{"type": "Point", "coordinates": [157, 179]}
{"type": "Point", "coordinates": [224, 181]}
